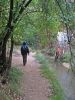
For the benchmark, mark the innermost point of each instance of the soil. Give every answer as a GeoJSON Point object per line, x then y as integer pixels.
{"type": "Point", "coordinates": [33, 85]}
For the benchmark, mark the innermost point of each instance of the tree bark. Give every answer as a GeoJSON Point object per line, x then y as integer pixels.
{"type": "Point", "coordinates": [11, 51]}
{"type": "Point", "coordinates": [8, 32]}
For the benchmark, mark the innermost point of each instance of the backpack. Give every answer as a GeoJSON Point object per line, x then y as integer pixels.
{"type": "Point", "coordinates": [24, 49]}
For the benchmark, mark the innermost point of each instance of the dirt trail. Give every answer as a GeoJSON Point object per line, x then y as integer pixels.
{"type": "Point", "coordinates": [33, 85]}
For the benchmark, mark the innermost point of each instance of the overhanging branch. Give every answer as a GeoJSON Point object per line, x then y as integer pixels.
{"type": "Point", "coordinates": [22, 8]}
{"type": "Point", "coordinates": [9, 24]}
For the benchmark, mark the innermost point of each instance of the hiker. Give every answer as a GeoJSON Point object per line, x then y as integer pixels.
{"type": "Point", "coordinates": [58, 53]}
{"type": "Point", "coordinates": [24, 52]}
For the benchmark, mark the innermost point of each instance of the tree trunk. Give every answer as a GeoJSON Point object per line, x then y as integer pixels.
{"type": "Point", "coordinates": [3, 58]}
{"type": "Point", "coordinates": [11, 51]}
{"type": "Point", "coordinates": [8, 30]}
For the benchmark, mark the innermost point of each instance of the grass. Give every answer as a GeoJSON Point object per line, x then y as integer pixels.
{"type": "Point", "coordinates": [4, 96]}
{"type": "Point", "coordinates": [13, 85]}
{"type": "Point", "coordinates": [66, 57]}
{"type": "Point", "coordinates": [14, 79]}
{"type": "Point", "coordinates": [50, 75]}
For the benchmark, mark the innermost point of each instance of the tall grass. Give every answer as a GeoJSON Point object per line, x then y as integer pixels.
{"type": "Point", "coordinates": [14, 79]}
{"type": "Point", "coordinates": [4, 96]}
{"type": "Point", "coordinates": [50, 75]}
{"type": "Point", "coordinates": [13, 85]}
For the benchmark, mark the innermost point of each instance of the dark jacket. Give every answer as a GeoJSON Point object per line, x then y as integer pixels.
{"type": "Point", "coordinates": [24, 49]}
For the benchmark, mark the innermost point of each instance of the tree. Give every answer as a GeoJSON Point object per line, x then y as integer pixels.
{"type": "Point", "coordinates": [67, 18]}
{"type": "Point", "coordinates": [15, 10]}
{"type": "Point", "coordinates": [40, 23]}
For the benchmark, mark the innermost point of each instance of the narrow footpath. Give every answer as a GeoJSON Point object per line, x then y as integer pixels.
{"type": "Point", "coordinates": [33, 85]}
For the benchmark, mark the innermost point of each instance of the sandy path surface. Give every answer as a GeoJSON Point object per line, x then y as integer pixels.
{"type": "Point", "coordinates": [33, 85]}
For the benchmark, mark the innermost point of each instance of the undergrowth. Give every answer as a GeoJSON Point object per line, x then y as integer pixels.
{"type": "Point", "coordinates": [14, 79]}
{"type": "Point", "coordinates": [11, 90]}
{"type": "Point", "coordinates": [50, 75]}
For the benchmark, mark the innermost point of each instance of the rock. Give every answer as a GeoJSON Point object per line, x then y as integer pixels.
{"type": "Point", "coordinates": [66, 65]}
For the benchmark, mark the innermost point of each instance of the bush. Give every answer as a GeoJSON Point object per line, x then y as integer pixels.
{"type": "Point", "coordinates": [49, 51]}
{"type": "Point", "coordinates": [66, 57]}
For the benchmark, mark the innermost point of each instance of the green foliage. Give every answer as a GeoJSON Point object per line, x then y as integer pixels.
{"type": "Point", "coordinates": [49, 74]}
{"type": "Point", "coordinates": [7, 92]}
{"type": "Point", "coordinates": [52, 51]}
{"type": "Point", "coordinates": [4, 96]}
{"type": "Point", "coordinates": [67, 14]}
{"type": "Point", "coordinates": [66, 57]}
{"type": "Point", "coordinates": [40, 18]}
{"type": "Point", "coordinates": [36, 22]}
{"type": "Point", "coordinates": [3, 16]}
{"type": "Point", "coordinates": [14, 79]}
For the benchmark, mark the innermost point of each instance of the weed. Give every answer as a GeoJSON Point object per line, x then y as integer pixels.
{"type": "Point", "coordinates": [14, 79]}
{"type": "Point", "coordinates": [7, 91]}
{"type": "Point", "coordinates": [66, 57]}
{"type": "Point", "coordinates": [49, 74]}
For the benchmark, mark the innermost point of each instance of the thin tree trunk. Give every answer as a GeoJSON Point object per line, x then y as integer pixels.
{"type": "Point", "coordinates": [8, 31]}
{"type": "Point", "coordinates": [11, 51]}
{"type": "Point", "coordinates": [9, 28]}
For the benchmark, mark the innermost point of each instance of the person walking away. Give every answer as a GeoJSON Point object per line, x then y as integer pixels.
{"type": "Point", "coordinates": [24, 52]}
{"type": "Point", "coordinates": [58, 53]}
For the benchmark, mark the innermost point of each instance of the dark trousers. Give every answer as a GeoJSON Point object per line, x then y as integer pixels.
{"type": "Point", "coordinates": [24, 59]}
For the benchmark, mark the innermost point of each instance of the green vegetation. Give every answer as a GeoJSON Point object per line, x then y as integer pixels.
{"type": "Point", "coordinates": [66, 57]}
{"type": "Point", "coordinates": [37, 22]}
{"type": "Point", "coordinates": [13, 87]}
{"type": "Point", "coordinates": [34, 21]}
{"type": "Point", "coordinates": [4, 96]}
{"type": "Point", "coordinates": [14, 79]}
{"type": "Point", "coordinates": [49, 74]}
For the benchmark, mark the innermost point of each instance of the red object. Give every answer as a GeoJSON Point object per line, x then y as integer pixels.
{"type": "Point", "coordinates": [59, 50]}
